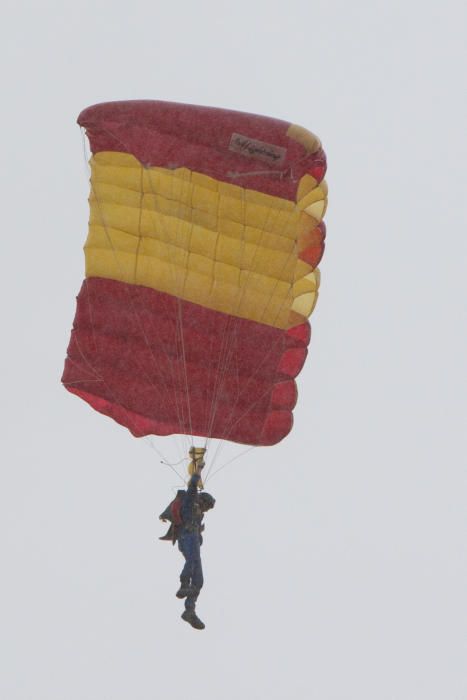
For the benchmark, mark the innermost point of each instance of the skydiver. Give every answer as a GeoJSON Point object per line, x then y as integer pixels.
{"type": "Point", "coordinates": [186, 514]}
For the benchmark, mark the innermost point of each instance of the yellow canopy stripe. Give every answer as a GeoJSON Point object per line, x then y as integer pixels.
{"type": "Point", "coordinates": [209, 242]}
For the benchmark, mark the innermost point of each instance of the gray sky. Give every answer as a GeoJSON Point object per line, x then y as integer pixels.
{"type": "Point", "coordinates": [335, 563]}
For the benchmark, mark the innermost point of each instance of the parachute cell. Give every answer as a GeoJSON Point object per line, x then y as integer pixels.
{"type": "Point", "coordinates": [205, 233]}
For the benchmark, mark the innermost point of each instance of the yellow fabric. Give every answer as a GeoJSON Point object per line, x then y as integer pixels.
{"type": "Point", "coordinates": [306, 138]}
{"type": "Point", "coordinates": [209, 242]}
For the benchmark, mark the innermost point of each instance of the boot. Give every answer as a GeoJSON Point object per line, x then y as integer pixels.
{"type": "Point", "coordinates": [192, 618]}
{"type": "Point", "coordinates": [184, 590]}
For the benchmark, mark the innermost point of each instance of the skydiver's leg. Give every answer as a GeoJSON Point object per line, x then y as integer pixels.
{"type": "Point", "coordinates": [185, 545]}
{"type": "Point", "coordinates": [197, 579]}
{"type": "Point", "coordinates": [189, 614]}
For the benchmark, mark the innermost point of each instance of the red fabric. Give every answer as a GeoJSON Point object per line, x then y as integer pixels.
{"type": "Point", "coordinates": [284, 395]}
{"type": "Point", "coordinates": [171, 135]}
{"type": "Point", "coordinates": [160, 365]}
{"type": "Point", "coordinates": [175, 509]}
{"type": "Point", "coordinates": [311, 245]}
{"type": "Point", "coordinates": [298, 335]}
{"type": "Point", "coordinates": [318, 169]}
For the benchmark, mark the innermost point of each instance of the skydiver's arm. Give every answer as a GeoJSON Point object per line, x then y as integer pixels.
{"type": "Point", "coordinates": [193, 483]}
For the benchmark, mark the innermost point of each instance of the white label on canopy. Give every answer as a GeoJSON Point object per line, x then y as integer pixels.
{"type": "Point", "coordinates": [253, 148]}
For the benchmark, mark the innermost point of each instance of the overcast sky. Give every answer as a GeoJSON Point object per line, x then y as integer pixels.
{"type": "Point", "coordinates": [335, 563]}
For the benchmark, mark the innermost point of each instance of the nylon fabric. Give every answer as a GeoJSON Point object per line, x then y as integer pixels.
{"type": "Point", "coordinates": [233, 250]}
{"type": "Point", "coordinates": [205, 236]}
{"type": "Point", "coordinates": [140, 380]}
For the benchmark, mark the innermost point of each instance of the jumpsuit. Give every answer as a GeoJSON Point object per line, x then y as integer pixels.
{"type": "Point", "coordinates": [189, 543]}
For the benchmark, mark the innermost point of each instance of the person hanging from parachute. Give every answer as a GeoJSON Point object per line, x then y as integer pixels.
{"type": "Point", "coordinates": [185, 514]}
{"type": "Point", "coordinates": [205, 235]}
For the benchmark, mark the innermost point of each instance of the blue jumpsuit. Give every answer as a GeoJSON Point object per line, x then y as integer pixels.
{"type": "Point", "coordinates": [189, 543]}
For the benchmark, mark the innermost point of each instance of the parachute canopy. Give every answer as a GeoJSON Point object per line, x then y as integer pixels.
{"type": "Point", "coordinates": [205, 233]}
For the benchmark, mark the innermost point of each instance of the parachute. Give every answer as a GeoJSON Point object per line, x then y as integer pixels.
{"type": "Point", "coordinates": [205, 234]}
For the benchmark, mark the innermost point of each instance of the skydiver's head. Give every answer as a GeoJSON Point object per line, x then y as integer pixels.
{"type": "Point", "coordinates": [206, 501]}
